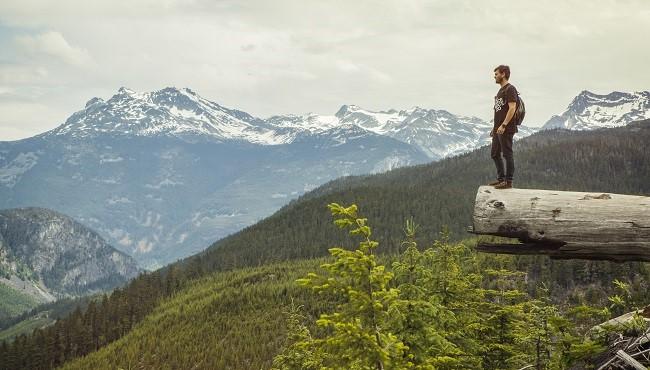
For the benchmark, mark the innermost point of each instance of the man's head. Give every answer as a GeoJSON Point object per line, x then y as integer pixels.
{"type": "Point", "coordinates": [501, 73]}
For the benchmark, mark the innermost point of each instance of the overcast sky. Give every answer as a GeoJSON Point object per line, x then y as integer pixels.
{"type": "Point", "coordinates": [276, 57]}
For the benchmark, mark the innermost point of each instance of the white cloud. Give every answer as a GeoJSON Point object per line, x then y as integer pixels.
{"type": "Point", "coordinates": [285, 56]}
{"type": "Point", "coordinates": [53, 44]}
{"type": "Point", "coordinates": [13, 75]}
{"type": "Point", "coordinates": [347, 66]}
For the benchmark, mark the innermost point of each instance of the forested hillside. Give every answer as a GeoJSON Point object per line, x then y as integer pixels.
{"type": "Point", "coordinates": [441, 193]}
{"type": "Point", "coordinates": [439, 306]}
{"type": "Point", "coordinates": [435, 194]}
{"type": "Point", "coordinates": [40, 316]}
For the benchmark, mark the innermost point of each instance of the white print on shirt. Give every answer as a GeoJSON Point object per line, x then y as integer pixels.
{"type": "Point", "coordinates": [498, 103]}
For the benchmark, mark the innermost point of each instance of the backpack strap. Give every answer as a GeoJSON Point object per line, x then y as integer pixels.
{"type": "Point", "coordinates": [517, 101]}
{"type": "Point", "coordinates": [509, 86]}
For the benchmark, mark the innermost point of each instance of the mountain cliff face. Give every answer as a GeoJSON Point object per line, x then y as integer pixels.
{"type": "Point", "coordinates": [591, 111]}
{"type": "Point", "coordinates": [48, 255]}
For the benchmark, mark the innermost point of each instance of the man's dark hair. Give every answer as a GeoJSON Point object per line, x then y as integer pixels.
{"type": "Point", "coordinates": [503, 69]}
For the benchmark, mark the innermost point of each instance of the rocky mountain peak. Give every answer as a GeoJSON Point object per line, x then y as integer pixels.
{"type": "Point", "coordinates": [589, 110]}
{"type": "Point", "coordinates": [346, 109]}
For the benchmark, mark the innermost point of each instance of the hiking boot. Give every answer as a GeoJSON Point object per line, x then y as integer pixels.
{"type": "Point", "coordinates": [495, 182]}
{"type": "Point", "coordinates": [504, 185]}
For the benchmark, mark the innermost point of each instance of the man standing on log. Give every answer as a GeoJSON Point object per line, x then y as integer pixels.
{"type": "Point", "coordinates": [504, 128]}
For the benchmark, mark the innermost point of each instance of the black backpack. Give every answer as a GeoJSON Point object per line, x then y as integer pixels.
{"type": "Point", "coordinates": [520, 111]}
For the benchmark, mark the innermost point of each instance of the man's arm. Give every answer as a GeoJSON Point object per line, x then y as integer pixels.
{"type": "Point", "coordinates": [512, 106]}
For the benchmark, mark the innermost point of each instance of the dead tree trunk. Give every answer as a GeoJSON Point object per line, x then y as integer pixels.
{"type": "Point", "coordinates": [564, 224]}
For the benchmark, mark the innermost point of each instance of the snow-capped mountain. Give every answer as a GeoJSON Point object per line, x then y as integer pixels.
{"type": "Point", "coordinates": [170, 111]}
{"type": "Point", "coordinates": [183, 114]}
{"type": "Point", "coordinates": [162, 174]}
{"type": "Point", "coordinates": [438, 133]}
{"type": "Point", "coordinates": [293, 126]}
{"type": "Point", "coordinates": [589, 110]}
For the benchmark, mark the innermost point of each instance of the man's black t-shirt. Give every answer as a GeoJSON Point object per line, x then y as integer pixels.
{"type": "Point", "coordinates": [506, 94]}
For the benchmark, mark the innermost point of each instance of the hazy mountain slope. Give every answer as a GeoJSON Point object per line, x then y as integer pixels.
{"type": "Point", "coordinates": [48, 255]}
{"type": "Point", "coordinates": [161, 175]}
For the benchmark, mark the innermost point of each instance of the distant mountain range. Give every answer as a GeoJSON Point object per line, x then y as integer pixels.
{"type": "Point", "coordinates": [589, 111]}
{"type": "Point", "coordinates": [163, 174]}
{"type": "Point", "coordinates": [183, 114]}
{"type": "Point", "coordinates": [437, 133]}
{"type": "Point", "coordinates": [47, 255]}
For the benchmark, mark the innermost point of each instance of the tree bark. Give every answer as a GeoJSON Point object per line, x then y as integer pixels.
{"type": "Point", "coordinates": [564, 224]}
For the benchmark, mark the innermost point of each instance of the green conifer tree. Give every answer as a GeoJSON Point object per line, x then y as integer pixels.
{"type": "Point", "coordinates": [357, 332]}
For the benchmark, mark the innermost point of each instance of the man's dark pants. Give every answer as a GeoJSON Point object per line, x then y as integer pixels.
{"type": "Point", "coordinates": [503, 143]}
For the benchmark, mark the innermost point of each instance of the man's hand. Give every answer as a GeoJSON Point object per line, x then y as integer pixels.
{"type": "Point", "coordinates": [511, 112]}
{"type": "Point", "coordinates": [492, 132]}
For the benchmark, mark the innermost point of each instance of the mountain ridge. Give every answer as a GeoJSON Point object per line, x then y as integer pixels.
{"type": "Point", "coordinates": [183, 113]}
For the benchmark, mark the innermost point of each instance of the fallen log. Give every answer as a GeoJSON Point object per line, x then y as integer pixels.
{"type": "Point", "coordinates": [628, 349]}
{"type": "Point", "coordinates": [564, 224]}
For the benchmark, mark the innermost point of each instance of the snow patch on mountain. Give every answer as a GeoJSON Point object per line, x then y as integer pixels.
{"type": "Point", "coordinates": [11, 173]}
{"type": "Point", "coordinates": [390, 162]}
{"type": "Point", "coordinates": [107, 158]}
{"type": "Point", "coordinates": [118, 200]}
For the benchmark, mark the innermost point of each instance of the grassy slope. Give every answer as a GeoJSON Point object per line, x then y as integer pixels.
{"type": "Point", "coordinates": [41, 315]}
{"type": "Point", "coordinates": [25, 326]}
{"type": "Point", "coordinates": [224, 318]}
{"type": "Point", "coordinates": [13, 302]}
